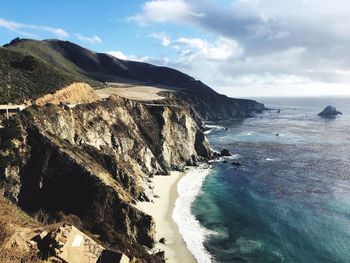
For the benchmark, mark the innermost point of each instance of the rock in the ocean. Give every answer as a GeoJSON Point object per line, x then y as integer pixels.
{"type": "Point", "coordinates": [225, 152]}
{"type": "Point", "coordinates": [329, 111]}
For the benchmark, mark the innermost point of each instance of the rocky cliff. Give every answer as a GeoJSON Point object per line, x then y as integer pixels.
{"type": "Point", "coordinates": [216, 107]}
{"type": "Point", "coordinates": [94, 160]}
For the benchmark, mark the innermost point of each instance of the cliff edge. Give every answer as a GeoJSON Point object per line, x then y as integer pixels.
{"type": "Point", "coordinates": [93, 161]}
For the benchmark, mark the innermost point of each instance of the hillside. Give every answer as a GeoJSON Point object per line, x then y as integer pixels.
{"type": "Point", "coordinates": [35, 68]}
{"type": "Point", "coordinates": [83, 63]}
{"type": "Point", "coordinates": [24, 76]}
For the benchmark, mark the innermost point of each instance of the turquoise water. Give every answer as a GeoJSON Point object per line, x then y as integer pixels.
{"type": "Point", "coordinates": [289, 201]}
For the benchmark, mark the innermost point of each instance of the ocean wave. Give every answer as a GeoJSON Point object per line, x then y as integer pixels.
{"type": "Point", "coordinates": [213, 128]}
{"type": "Point", "coordinates": [192, 232]}
{"type": "Point", "coordinates": [225, 158]}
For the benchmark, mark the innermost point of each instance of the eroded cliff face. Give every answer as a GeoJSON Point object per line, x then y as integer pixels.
{"type": "Point", "coordinates": [216, 107]}
{"type": "Point", "coordinates": [93, 161]}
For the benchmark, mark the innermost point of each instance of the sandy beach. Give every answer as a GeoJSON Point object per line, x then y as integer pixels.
{"type": "Point", "coordinates": [161, 210]}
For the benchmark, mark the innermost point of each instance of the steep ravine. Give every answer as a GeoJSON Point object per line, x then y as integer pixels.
{"type": "Point", "coordinates": [93, 161]}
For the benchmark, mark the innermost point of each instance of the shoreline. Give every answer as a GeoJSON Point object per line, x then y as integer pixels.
{"type": "Point", "coordinates": [161, 210]}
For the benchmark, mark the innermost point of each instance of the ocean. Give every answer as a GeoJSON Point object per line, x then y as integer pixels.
{"type": "Point", "coordinates": [288, 201]}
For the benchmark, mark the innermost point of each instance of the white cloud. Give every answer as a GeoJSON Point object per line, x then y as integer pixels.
{"type": "Point", "coordinates": [153, 60]}
{"type": "Point", "coordinates": [28, 29]}
{"type": "Point", "coordinates": [163, 37]}
{"type": "Point", "coordinates": [92, 40]}
{"type": "Point", "coordinates": [161, 11]}
{"type": "Point", "coordinates": [260, 44]}
{"type": "Point", "coordinates": [22, 29]}
{"type": "Point", "coordinates": [196, 48]}
{"type": "Point", "coordinates": [59, 32]}
{"type": "Point", "coordinates": [118, 54]}
{"type": "Point", "coordinates": [10, 24]}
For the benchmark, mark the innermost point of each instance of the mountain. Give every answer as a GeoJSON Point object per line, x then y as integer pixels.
{"type": "Point", "coordinates": [83, 63]}
{"type": "Point", "coordinates": [64, 62]}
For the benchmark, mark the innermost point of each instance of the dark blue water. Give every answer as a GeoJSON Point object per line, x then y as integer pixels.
{"type": "Point", "coordinates": [289, 201]}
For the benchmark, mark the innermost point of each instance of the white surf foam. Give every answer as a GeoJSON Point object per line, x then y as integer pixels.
{"type": "Point", "coordinates": [192, 232]}
{"type": "Point", "coordinates": [225, 158]}
{"type": "Point", "coordinates": [213, 128]}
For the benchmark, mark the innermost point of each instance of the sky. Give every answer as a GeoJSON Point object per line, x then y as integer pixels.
{"type": "Point", "coordinates": [241, 48]}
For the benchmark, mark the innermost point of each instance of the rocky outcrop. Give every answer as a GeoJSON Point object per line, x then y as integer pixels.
{"type": "Point", "coordinates": [75, 93]}
{"type": "Point", "coordinates": [225, 152]}
{"type": "Point", "coordinates": [329, 111]}
{"type": "Point", "coordinates": [66, 243]}
{"type": "Point", "coordinates": [91, 161]}
{"type": "Point", "coordinates": [216, 107]}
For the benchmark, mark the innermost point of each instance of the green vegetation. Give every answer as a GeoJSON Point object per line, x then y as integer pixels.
{"type": "Point", "coordinates": [24, 77]}
{"type": "Point", "coordinates": [42, 50]}
{"type": "Point", "coordinates": [11, 131]}
{"type": "Point", "coordinates": [31, 68]}
{"type": "Point", "coordinates": [64, 56]}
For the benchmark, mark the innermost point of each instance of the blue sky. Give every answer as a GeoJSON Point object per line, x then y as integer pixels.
{"type": "Point", "coordinates": [243, 48]}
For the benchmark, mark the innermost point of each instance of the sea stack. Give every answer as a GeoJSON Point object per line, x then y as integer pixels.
{"type": "Point", "coordinates": [329, 111]}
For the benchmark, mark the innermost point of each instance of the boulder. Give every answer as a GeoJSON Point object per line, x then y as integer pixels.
{"type": "Point", "coordinates": [225, 152]}
{"type": "Point", "coordinates": [329, 111]}
{"type": "Point", "coordinates": [69, 244]}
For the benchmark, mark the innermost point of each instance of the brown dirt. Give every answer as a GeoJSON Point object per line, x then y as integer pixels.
{"type": "Point", "coordinates": [76, 93]}
{"type": "Point", "coordinates": [140, 93]}
{"type": "Point", "coordinates": [16, 228]}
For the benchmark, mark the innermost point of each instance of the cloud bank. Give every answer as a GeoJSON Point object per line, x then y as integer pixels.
{"type": "Point", "coordinates": [259, 43]}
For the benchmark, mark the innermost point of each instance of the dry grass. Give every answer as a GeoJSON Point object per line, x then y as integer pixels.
{"type": "Point", "coordinates": [11, 215]}
{"type": "Point", "coordinates": [141, 93]}
{"type": "Point", "coordinates": [14, 222]}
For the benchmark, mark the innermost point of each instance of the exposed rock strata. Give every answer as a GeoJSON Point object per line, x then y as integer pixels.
{"type": "Point", "coordinates": [215, 107]}
{"type": "Point", "coordinates": [91, 160]}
